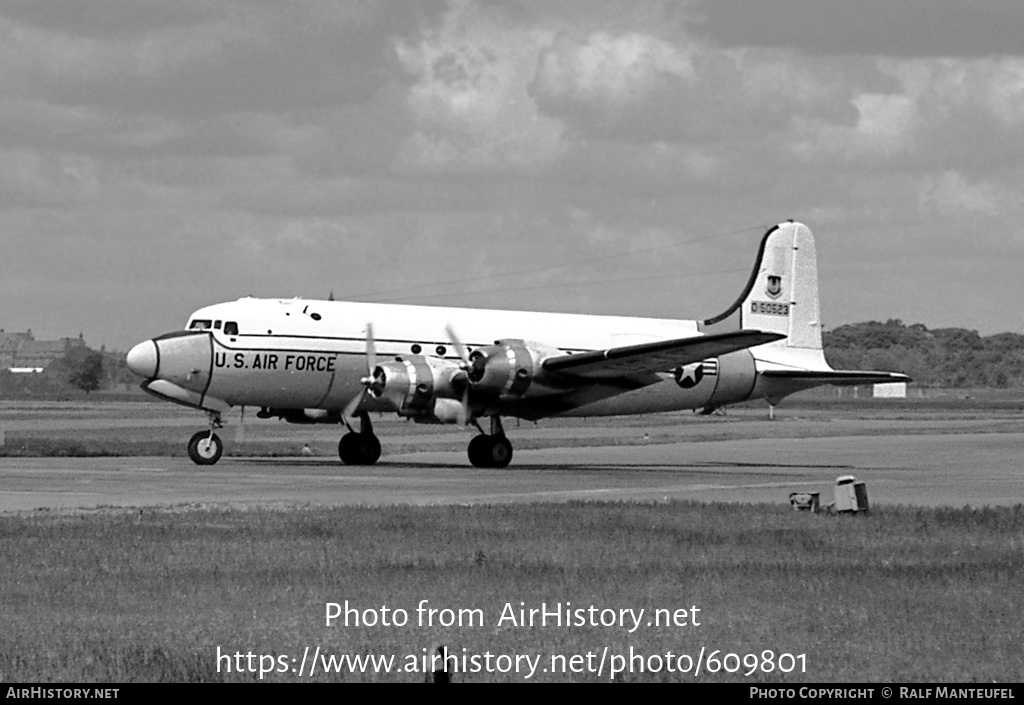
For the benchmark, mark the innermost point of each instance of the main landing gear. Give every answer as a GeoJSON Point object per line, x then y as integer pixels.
{"type": "Point", "coordinates": [205, 447]}
{"type": "Point", "coordinates": [362, 447]}
{"type": "Point", "coordinates": [491, 450]}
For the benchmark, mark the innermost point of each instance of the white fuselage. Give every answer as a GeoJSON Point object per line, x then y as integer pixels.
{"type": "Point", "coordinates": [295, 353]}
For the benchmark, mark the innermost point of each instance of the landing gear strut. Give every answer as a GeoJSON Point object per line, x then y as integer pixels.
{"type": "Point", "coordinates": [491, 450]}
{"type": "Point", "coordinates": [362, 448]}
{"type": "Point", "coordinates": [205, 447]}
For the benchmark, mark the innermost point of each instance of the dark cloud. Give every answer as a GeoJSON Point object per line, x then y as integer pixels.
{"type": "Point", "coordinates": [245, 75]}
{"type": "Point", "coordinates": [205, 59]}
{"type": "Point", "coordinates": [112, 18]}
{"type": "Point", "coordinates": [901, 28]}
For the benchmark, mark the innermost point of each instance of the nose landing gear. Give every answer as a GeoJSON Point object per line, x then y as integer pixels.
{"type": "Point", "coordinates": [205, 447]}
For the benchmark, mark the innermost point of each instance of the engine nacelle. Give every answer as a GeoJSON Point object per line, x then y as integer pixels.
{"type": "Point", "coordinates": [737, 375]}
{"type": "Point", "coordinates": [431, 390]}
{"type": "Point", "coordinates": [411, 384]}
{"type": "Point", "coordinates": [509, 368]}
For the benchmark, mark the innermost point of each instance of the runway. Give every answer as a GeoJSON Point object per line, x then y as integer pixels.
{"type": "Point", "coordinates": [975, 469]}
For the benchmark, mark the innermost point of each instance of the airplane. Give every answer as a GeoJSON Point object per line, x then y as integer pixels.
{"type": "Point", "coordinates": [334, 362]}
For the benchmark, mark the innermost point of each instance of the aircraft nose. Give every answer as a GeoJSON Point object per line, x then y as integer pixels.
{"type": "Point", "coordinates": [143, 359]}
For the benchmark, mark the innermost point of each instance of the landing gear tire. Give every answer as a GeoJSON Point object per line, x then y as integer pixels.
{"type": "Point", "coordinates": [500, 453]}
{"type": "Point", "coordinates": [205, 448]}
{"type": "Point", "coordinates": [359, 449]}
{"type": "Point", "coordinates": [478, 451]}
{"type": "Point", "coordinates": [490, 451]}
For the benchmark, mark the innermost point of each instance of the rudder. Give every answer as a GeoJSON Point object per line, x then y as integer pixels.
{"type": "Point", "coordinates": [781, 295]}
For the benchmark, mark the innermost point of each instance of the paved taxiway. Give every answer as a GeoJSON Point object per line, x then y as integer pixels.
{"type": "Point", "coordinates": [975, 469]}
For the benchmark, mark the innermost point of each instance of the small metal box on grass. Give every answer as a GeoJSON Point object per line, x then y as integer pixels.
{"type": "Point", "coordinates": [850, 495]}
{"type": "Point", "coordinates": [805, 501]}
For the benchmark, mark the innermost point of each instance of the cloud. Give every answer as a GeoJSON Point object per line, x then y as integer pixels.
{"type": "Point", "coordinates": [35, 58]}
{"type": "Point", "coordinates": [470, 101]}
{"type": "Point", "coordinates": [643, 87]}
{"type": "Point", "coordinates": [298, 141]}
{"type": "Point", "coordinates": [908, 28]}
{"type": "Point", "coordinates": [206, 59]}
{"type": "Point", "coordinates": [31, 179]}
{"type": "Point", "coordinates": [941, 114]}
{"type": "Point", "coordinates": [111, 18]}
{"type": "Point", "coordinates": [951, 194]}
{"type": "Point", "coordinates": [604, 67]}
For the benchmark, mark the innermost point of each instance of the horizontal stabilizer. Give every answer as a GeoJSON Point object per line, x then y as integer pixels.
{"type": "Point", "coordinates": [659, 356]}
{"type": "Point", "coordinates": [843, 378]}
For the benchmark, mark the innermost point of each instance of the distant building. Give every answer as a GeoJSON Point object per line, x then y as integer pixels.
{"type": "Point", "coordinates": [21, 352]}
{"type": "Point", "coordinates": [890, 390]}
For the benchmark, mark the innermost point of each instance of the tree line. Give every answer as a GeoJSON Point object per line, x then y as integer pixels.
{"type": "Point", "coordinates": [943, 357]}
{"type": "Point", "coordinates": [80, 369]}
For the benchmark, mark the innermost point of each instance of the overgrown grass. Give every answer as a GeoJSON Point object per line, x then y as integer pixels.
{"type": "Point", "coordinates": [904, 594]}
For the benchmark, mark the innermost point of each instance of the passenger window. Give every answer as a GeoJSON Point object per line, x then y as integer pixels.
{"type": "Point", "coordinates": [231, 328]}
{"type": "Point", "coordinates": [200, 324]}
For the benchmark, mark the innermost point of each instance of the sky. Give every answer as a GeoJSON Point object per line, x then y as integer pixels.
{"type": "Point", "coordinates": [591, 156]}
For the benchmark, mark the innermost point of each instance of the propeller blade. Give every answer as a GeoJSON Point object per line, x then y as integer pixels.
{"type": "Point", "coordinates": [460, 349]}
{"type": "Point", "coordinates": [371, 365]}
{"type": "Point", "coordinates": [371, 352]}
{"type": "Point", "coordinates": [464, 413]}
{"type": "Point", "coordinates": [353, 406]}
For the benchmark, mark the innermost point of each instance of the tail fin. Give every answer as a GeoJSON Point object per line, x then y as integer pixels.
{"type": "Point", "coordinates": [781, 295]}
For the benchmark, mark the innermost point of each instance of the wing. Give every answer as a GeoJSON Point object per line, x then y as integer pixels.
{"type": "Point", "coordinates": [841, 378]}
{"type": "Point", "coordinates": [655, 357]}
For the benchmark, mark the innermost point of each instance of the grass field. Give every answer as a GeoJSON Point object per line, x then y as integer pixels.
{"type": "Point", "coordinates": [904, 594]}
{"type": "Point", "coordinates": [907, 595]}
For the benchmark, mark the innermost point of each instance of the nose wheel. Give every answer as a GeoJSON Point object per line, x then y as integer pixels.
{"type": "Point", "coordinates": [205, 448]}
{"type": "Point", "coordinates": [362, 447]}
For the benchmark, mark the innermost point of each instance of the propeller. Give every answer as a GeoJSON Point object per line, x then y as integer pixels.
{"type": "Point", "coordinates": [463, 375]}
{"type": "Point", "coordinates": [374, 380]}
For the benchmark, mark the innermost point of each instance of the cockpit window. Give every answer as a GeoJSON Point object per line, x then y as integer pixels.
{"type": "Point", "coordinates": [216, 324]}
{"type": "Point", "coordinates": [230, 328]}
{"type": "Point", "coordinates": [200, 324]}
